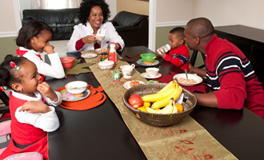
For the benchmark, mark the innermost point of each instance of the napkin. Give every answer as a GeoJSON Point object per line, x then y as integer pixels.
{"type": "Point", "coordinates": [78, 68]}
{"type": "Point", "coordinates": [202, 87]}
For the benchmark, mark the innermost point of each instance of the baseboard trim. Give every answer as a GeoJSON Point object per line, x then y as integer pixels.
{"type": "Point", "coordinates": [8, 34]}
{"type": "Point", "coordinates": [167, 24]}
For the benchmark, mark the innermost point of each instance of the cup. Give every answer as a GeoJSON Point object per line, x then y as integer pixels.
{"type": "Point", "coordinates": [100, 37]}
{"type": "Point", "coordinates": [152, 71]}
{"type": "Point", "coordinates": [127, 70]}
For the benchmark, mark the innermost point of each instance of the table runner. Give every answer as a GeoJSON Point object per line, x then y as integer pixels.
{"type": "Point", "coordinates": [185, 140]}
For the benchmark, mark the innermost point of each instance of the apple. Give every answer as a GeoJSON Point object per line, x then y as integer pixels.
{"type": "Point", "coordinates": [135, 101]}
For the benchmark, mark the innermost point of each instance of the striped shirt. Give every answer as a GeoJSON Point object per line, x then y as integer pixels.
{"type": "Point", "coordinates": [231, 76]}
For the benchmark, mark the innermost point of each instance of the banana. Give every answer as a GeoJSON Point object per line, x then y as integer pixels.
{"type": "Point", "coordinates": [175, 95]}
{"type": "Point", "coordinates": [150, 110]}
{"type": "Point", "coordinates": [166, 87]}
{"type": "Point", "coordinates": [169, 108]}
{"type": "Point", "coordinates": [160, 95]}
{"type": "Point", "coordinates": [175, 109]}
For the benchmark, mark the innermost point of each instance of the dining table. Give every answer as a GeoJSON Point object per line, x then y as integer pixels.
{"type": "Point", "coordinates": [101, 133]}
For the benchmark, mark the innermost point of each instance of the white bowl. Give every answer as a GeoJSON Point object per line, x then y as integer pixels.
{"type": "Point", "coordinates": [100, 37]}
{"type": "Point", "coordinates": [195, 77]}
{"type": "Point", "coordinates": [106, 65]}
{"type": "Point", "coordinates": [152, 71]}
{"type": "Point", "coordinates": [76, 87]}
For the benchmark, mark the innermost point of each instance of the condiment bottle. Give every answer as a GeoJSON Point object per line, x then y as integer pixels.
{"type": "Point", "coordinates": [103, 56]}
{"type": "Point", "coordinates": [166, 47]}
{"type": "Point", "coordinates": [112, 54]}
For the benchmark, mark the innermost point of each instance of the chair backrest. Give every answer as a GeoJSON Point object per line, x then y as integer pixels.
{"type": "Point", "coordinates": [125, 18]}
{"type": "Point", "coordinates": [4, 108]}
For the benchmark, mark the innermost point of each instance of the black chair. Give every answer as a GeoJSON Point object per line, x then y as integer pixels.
{"type": "Point", "coordinates": [193, 59]}
{"type": "Point", "coordinates": [133, 28]}
{"type": "Point", "coordinates": [4, 108]}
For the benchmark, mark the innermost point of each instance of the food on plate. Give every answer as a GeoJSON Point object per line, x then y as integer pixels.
{"type": "Point", "coordinates": [102, 50]}
{"type": "Point", "coordinates": [135, 101]}
{"type": "Point", "coordinates": [134, 83]}
{"type": "Point", "coordinates": [187, 81]}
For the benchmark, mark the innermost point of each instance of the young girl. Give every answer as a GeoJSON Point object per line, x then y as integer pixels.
{"type": "Point", "coordinates": [33, 39]}
{"type": "Point", "coordinates": [31, 117]}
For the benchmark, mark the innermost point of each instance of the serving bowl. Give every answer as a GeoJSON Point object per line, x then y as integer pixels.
{"type": "Point", "coordinates": [160, 120]}
{"type": "Point", "coordinates": [67, 62]}
{"type": "Point", "coordinates": [76, 87]}
{"type": "Point", "coordinates": [106, 65]}
{"type": "Point", "coordinates": [148, 57]}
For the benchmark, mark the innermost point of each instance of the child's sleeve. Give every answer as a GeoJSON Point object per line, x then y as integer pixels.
{"type": "Point", "coordinates": [50, 102]}
{"type": "Point", "coordinates": [48, 122]}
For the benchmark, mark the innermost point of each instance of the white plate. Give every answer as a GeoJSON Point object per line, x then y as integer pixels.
{"type": "Point", "coordinates": [145, 75]}
{"type": "Point", "coordinates": [190, 76]}
{"type": "Point", "coordinates": [127, 84]}
{"type": "Point", "coordinates": [89, 55]}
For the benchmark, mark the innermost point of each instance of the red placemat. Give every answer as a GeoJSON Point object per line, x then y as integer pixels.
{"type": "Point", "coordinates": [95, 99]}
{"type": "Point", "coordinates": [202, 87]}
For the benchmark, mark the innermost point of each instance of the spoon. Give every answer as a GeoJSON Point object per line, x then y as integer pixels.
{"type": "Point", "coordinates": [186, 73]}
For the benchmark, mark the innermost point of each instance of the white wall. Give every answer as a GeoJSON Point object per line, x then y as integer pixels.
{"type": "Point", "coordinates": [230, 12]}
{"type": "Point", "coordinates": [173, 10]}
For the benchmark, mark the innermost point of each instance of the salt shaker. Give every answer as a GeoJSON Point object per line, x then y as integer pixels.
{"type": "Point", "coordinates": [166, 47]}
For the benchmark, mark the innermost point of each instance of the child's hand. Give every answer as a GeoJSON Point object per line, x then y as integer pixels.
{"type": "Point", "coordinates": [45, 89]}
{"type": "Point", "coordinates": [49, 49]}
{"type": "Point", "coordinates": [89, 39]}
{"type": "Point", "coordinates": [35, 107]}
{"type": "Point", "coordinates": [162, 53]}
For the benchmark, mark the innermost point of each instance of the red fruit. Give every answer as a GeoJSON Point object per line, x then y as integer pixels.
{"type": "Point", "coordinates": [135, 101]}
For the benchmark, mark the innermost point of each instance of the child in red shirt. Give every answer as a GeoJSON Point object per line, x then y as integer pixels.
{"type": "Point", "coordinates": [179, 53]}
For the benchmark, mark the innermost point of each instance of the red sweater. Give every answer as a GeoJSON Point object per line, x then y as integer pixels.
{"type": "Point", "coordinates": [232, 77]}
{"type": "Point", "coordinates": [24, 134]}
{"type": "Point", "coordinates": [179, 56]}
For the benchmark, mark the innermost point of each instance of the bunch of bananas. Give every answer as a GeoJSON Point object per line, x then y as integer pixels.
{"type": "Point", "coordinates": [164, 99]}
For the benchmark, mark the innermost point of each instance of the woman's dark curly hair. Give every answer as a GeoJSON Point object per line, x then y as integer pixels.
{"type": "Point", "coordinates": [87, 5]}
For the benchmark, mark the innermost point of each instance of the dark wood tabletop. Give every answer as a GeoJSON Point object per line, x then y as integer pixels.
{"type": "Point", "coordinates": [100, 133]}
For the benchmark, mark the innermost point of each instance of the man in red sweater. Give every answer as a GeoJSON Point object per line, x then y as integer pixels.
{"type": "Point", "coordinates": [229, 73]}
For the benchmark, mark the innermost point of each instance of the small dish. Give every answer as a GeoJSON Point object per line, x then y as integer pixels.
{"type": "Point", "coordinates": [76, 87]}
{"type": "Point", "coordinates": [127, 84]}
{"type": "Point", "coordinates": [67, 96]}
{"type": "Point", "coordinates": [153, 63]}
{"type": "Point", "coordinates": [145, 75]}
{"type": "Point", "coordinates": [89, 55]}
{"type": "Point", "coordinates": [106, 65]}
{"type": "Point", "coordinates": [195, 77]}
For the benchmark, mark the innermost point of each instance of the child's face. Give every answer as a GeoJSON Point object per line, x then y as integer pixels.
{"type": "Point", "coordinates": [174, 40]}
{"type": "Point", "coordinates": [30, 79]}
{"type": "Point", "coordinates": [38, 43]}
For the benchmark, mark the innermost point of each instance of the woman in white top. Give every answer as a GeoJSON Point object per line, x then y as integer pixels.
{"type": "Point", "coordinates": [93, 15]}
{"type": "Point", "coordinates": [33, 39]}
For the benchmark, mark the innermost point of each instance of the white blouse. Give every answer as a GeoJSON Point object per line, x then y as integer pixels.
{"type": "Point", "coordinates": [81, 31]}
{"type": "Point", "coordinates": [55, 69]}
{"type": "Point", "coordinates": [48, 122]}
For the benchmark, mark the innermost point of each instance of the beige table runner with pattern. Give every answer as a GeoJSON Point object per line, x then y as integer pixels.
{"type": "Point", "coordinates": [185, 140]}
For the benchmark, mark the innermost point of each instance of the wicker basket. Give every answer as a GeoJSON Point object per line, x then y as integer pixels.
{"type": "Point", "coordinates": [160, 120]}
